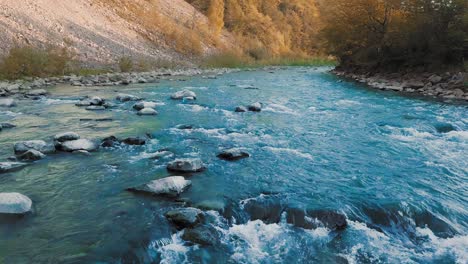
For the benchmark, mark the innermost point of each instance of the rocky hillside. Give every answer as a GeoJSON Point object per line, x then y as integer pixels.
{"type": "Point", "coordinates": [102, 31]}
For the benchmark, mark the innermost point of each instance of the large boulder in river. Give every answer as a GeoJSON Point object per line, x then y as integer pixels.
{"type": "Point", "coordinates": [8, 102]}
{"type": "Point", "coordinates": [183, 94]}
{"type": "Point", "coordinates": [79, 144]}
{"type": "Point", "coordinates": [233, 154]}
{"type": "Point", "coordinates": [186, 165]}
{"type": "Point", "coordinates": [66, 136]}
{"type": "Point", "coordinates": [255, 107]}
{"type": "Point", "coordinates": [11, 166]}
{"type": "Point", "coordinates": [267, 208]}
{"type": "Point", "coordinates": [147, 111]}
{"type": "Point", "coordinates": [330, 219]}
{"type": "Point", "coordinates": [31, 155]}
{"type": "Point", "coordinates": [204, 235]}
{"type": "Point", "coordinates": [39, 145]}
{"type": "Point", "coordinates": [241, 109]}
{"type": "Point", "coordinates": [134, 141]}
{"type": "Point", "coordinates": [142, 105]}
{"type": "Point", "coordinates": [169, 186]}
{"type": "Point", "coordinates": [127, 97]}
{"type": "Point", "coordinates": [14, 203]}
{"type": "Point", "coordinates": [185, 217]}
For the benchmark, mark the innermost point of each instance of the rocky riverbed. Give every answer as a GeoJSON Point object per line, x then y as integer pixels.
{"type": "Point", "coordinates": [451, 86]}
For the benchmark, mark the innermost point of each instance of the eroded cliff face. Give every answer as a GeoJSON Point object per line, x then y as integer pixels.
{"type": "Point", "coordinates": [102, 31]}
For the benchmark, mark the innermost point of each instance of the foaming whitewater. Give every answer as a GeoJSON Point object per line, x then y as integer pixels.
{"type": "Point", "coordinates": [336, 173]}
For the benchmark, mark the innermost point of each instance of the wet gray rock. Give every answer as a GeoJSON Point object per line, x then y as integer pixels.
{"type": "Point", "coordinates": [444, 127]}
{"type": "Point", "coordinates": [78, 144]}
{"type": "Point", "coordinates": [83, 103]}
{"type": "Point", "coordinates": [135, 141]}
{"type": "Point", "coordinates": [66, 136]}
{"type": "Point", "coordinates": [96, 100]}
{"type": "Point", "coordinates": [31, 155]}
{"type": "Point", "coordinates": [204, 235]}
{"type": "Point", "coordinates": [127, 98]}
{"type": "Point", "coordinates": [14, 203]}
{"type": "Point", "coordinates": [39, 145]}
{"type": "Point", "coordinates": [183, 95]}
{"type": "Point", "coordinates": [233, 154]}
{"type": "Point", "coordinates": [186, 165]}
{"type": "Point", "coordinates": [434, 79]}
{"type": "Point", "coordinates": [184, 127]}
{"type": "Point", "coordinates": [109, 142]}
{"type": "Point", "coordinates": [36, 92]}
{"type": "Point", "coordinates": [330, 219]}
{"type": "Point", "coordinates": [8, 102]}
{"type": "Point", "coordinates": [147, 111]}
{"type": "Point", "coordinates": [265, 207]}
{"type": "Point", "coordinates": [241, 109]}
{"type": "Point", "coordinates": [185, 217]}
{"type": "Point", "coordinates": [169, 186]}
{"type": "Point", "coordinates": [142, 105]}
{"type": "Point", "coordinates": [11, 166]}
{"type": "Point", "coordinates": [255, 107]}
{"type": "Point", "coordinates": [7, 125]}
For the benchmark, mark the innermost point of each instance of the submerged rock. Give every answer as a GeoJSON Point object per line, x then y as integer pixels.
{"type": "Point", "coordinates": [7, 125]}
{"type": "Point", "coordinates": [66, 136]}
{"type": "Point", "coordinates": [127, 97]}
{"type": "Point", "coordinates": [241, 109]}
{"type": "Point", "coordinates": [233, 154]}
{"type": "Point", "coordinates": [147, 111]}
{"type": "Point", "coordinates": [203, 235]}
{"type": "Point", "coordinates": [183, 94]}
{"type": "Point", "coordinates": [7, 102]}
{"type": "Point", "coordinates": [169, 186]}
{"type": "Point", "coordinates": [142, 105]}
{"type": "Point", "coordinates": [186, 165]}
{"type": "Point", "coordinates": [330, 219]}
{"type": "Point", "coordinates": [135, 141]}
{"type": "Point", "coordinates": [31, 155]}
{"type": "Point", "coordinates": [11, 166]}
{"type": "Point", "coordinates": [255, 107]}
{"type": "Point", "coordinates": [14, 203]}
{"type": "Point", "coordinates": [78, 144]}
{"type": "Point", "coordinates": [265, 207]}
{"type": "Point", "coordinates": [109, 142]}
{"type": "Point", "coordinates": [39, 145]}
{"type": "Point", "coordinates": [185, 217]}
{"type": "Point", "coordinates": [444, 127]}
{"type": "Point", "coordinates": [184, 127]}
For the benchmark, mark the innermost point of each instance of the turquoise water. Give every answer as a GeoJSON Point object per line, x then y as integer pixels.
{"type": "Point", "coordinates": [397, 167]}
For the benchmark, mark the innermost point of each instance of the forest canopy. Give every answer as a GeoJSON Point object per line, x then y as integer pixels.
{"type": "Point", "coordinates": [396, 33]}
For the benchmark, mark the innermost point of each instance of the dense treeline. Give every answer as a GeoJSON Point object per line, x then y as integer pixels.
{"type": "Point", "coordinates": [266, 28]}
{"type": "Point", "coordinates": [393, 34]}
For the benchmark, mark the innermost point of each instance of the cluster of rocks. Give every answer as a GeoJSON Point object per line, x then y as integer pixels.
{"type": "Point", "coordinates": [33, 87]}
{"type": "Point", "coordinates": [447, 85]}
{"type": "Point", "coordinates": [255, 107]}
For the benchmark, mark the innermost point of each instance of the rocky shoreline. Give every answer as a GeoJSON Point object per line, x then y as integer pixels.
{"type": "Point", "coordinates": [447, 86]}
{"type": "Point", "coordinates": [34, 87]}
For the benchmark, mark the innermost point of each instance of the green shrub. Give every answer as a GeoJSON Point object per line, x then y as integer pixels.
{"type": "Point", "coordinates": [28, 61]}
{"type": "Point", "coordinates": [125, 64]}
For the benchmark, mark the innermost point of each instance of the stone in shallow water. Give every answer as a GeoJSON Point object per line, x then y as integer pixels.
{"type": "Point", "coordinates": [241, 109]}
{"type": "Point", "coordinates": [147, 111]}
{"type": "Point", "coordinates": [233, 154]}
{"type": "Point", "coordinates": [14, 203]}
{"type": "Point", "coordinates": [95, 108]}
{"type": "Point", "coordinates": [7, 102]}
{"type": "Point", "coordinates": [36, 92]}
{"type": "Point", "coordinates": [39, 145]}
{"type": "Point", "coordinates": [79, 144]}
{"type": "Point", "coordinates": [183, 94]}
{"type": "Point", "coordinates": [255, 107]}
{"type": "Point", "coordinates": [136, 141]}
{"type": "Point", "coordinates": [267, 208]}
{"type": "Point", "coordinates": [444, 127]}
{"type": "Point", "coordinates": [203, 235]}
{"type": "Point", "coordinates": [127, 97]}
{"type": "Point", "coordinates": [11, 166]}
{"type": "Point", "coordinates": [31, 155]}
{"type": "Point", "coordinates": [186, 165]}
{"type": "Point", "coordinates": [185, 217]}
{"type": "Point", "coordinates": [169, 186]}
{"type": "Point", "coordinates": [142, 105]}
{"type": "Point", "coordinates": [330, 219]}
{"type": "Point", "coordinates": [7, 125]}
{"type": "Point", "coordinates": [109, 142]}
{"type": "Point", "coordinates": [66, 136]}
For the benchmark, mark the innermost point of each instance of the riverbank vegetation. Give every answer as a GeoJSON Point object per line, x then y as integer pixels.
{"type": "Point", "coordinates": [396, 34]}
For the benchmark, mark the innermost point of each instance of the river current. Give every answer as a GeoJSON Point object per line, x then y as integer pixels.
{"type": "Point", "coordinates": [395, 166]}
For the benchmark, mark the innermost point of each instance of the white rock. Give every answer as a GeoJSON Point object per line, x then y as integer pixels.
{"type": "Point", "coordinates": [183, 94]}
{"type": "Point", "coordinates": [170, 186]}
{"type": "Point", "coordinates": [79, 144]}
{"type": "Point", "coordinates": [14, 203]}
{"type": "Point", "coordinates": [147, 111]}
{"type": "Point", "coordinates": [186, 165]}
{"type": "Point", "coordinates": [8, 102]}
{"type": "Point", "coordinates": [39, 145]}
